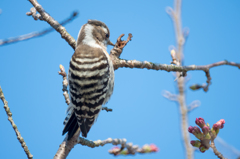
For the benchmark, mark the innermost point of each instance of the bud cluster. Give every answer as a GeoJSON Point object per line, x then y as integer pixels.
{"type": "Point", "coordinates": [206, 135]}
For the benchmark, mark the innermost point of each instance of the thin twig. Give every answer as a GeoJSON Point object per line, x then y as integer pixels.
{"type": "Point", "coordinates": [19, 137]}
{"type": "Point", "coordinates": [98, 143]}
{"type": "Point", "coordinates": [194, 105]}
{"type": "Point", "coordinates": [131, 149]}
{"type": "Point", "coordinates": [58, 27]}
{"type": "Point", "coordinates": [65, 84]}
{"type": "Point", "coordinates": [216, 152]}
{"type": "Point", "coordinates": [170, 96]}
{"type": "Point", "coordinates": [36, 34]}
{"type": "Point", "coordinates": [208, 80]}
{"type": "Point", "coordinates": [107, 109]}
{"type": "Point", "coordinates": [176, 17]}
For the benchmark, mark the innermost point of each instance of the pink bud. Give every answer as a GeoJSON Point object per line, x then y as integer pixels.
{"type": "Point", "coordinates": [195, 143]}
{"type": "Point", "coordinates": [205, 130]}
{"type": "Point", "coordinates": [222, 121]}
{"type": "Point", "coordinates": [190, 129]}
{"type": "Point", "coordinates": [196, 129]}
{"type": "Point", "coordinates": [219, 124]}
{"type": "Point", "coordinates": [154, 148]}
{"type": "Point", "coordinates": [200, 122]}
{"type": "Point", "coordinates": [216, 126]}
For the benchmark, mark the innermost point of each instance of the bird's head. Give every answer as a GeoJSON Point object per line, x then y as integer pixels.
{"type": "Point", "coordinates": [95, 33]}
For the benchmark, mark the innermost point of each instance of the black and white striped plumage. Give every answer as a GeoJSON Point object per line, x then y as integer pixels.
{"type": "Point", "coordinates": [90, 76]}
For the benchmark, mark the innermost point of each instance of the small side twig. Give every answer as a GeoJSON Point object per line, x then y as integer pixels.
{"type": "Point", "coordinates": [170, 96]}
{"type": "Point", "coordinates": [208, 80]}
{"type": "Point", "coordinates": [34, 14]}
{"type": "Point", "coordinates": [107, 109]}
{"type": "Point", "coordinates": [194, 105]}
{"type": "Point", "coordinates": [19, 137]}
{"type": "Point", "coordinates": [65, 84]}
{"type": "Point", "coordinates": [36, 34]}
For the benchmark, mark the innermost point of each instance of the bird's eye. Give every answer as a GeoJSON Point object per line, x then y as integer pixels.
{"type": "Point", "coordinates": [107, 36]}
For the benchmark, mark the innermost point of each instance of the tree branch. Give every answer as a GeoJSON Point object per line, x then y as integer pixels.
{"type": "Point", "coordinates": [118, 63]}
{"type": "Point", "coordinates": [216, 152]}
{"type": "Point", "coordinates": [66, 146]}
{"type": "Point", "coordinates": [117, 50]}
{"type": "Point", "coordinates": [58, 27]}
{"type": "Point", "coordinates": [65, 84]}
{"type": "Point", "coordinates": [180, 40]}
{"type": "Point", "coordinates": [19, 137]}
{"type": "Point", "coordinates": [36, 34]}
{"type": "Point", "coordinates": [131, 149]}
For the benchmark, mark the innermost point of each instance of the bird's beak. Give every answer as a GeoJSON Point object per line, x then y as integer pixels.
{"type": "Point", "coordinates": [110, 43]}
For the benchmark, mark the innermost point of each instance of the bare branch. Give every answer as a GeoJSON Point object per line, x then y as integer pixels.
{"type": "Point", "coordinates": [36, 34]}
{"type": "Point", "coordinates": [178, 59]}
{"type": "Point", "coordinates": [118, 63]}
{"type": "Point", "coordinates": [227, 147]}
{"type": "Point", "coordinates": [19, 137]}
{"type": "Point", "coordinates": [216, 152]}
{"type": "Point", "coordinates": [98, 143]}
{"type": "Point", "coordinates": [117, 50]}
{"type": "Point", "coordinates": [65, 84]}
{"type": "Point", "coordinates": [66, 146]}
{"type": "Point", "coordinates": [58, 27]}
{"type": "Point", "coordinates": [131, 149]}
{"type": "Point", "coordinates": [208, 81]}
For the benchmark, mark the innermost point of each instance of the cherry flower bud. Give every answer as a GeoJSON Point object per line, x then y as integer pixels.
{"type": "Point", "coordinates": [205, 130]}
{"type": "Point", "coordinates": [200, 122]}
{"type": "Point", "coordinates": [195, 143]}
{"type": "Point", "coordinates": [195, 87]}
{"type": "Point", "coordinates": [202, 148]}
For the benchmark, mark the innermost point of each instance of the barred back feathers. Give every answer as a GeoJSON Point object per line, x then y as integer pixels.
{"type": "Point", "coordinates": [91, 78]}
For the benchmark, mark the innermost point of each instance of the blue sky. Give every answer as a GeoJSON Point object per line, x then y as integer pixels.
{"type": "Point", "coordinates": [32, 86]}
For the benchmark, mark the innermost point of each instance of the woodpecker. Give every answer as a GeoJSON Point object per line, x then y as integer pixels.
{"type": "Point", "coordinates": [90, 77]}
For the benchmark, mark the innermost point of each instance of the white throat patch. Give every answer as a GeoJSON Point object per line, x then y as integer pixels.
{"type": "Point", "coordinates": [89, 40]}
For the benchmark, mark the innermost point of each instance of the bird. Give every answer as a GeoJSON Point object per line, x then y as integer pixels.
{"type": "Point", "coordinates": [90, 78]}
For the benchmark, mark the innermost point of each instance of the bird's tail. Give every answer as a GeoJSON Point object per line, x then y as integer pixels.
{"type": "Point", "coordinates": [71, 125]}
